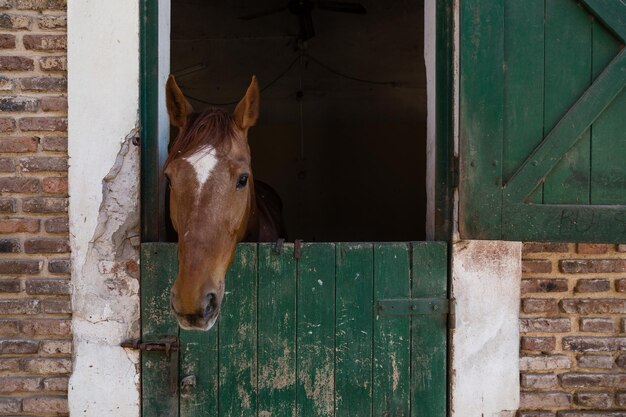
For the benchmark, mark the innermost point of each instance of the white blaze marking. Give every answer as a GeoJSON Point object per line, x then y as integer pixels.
{"type": "Point", "coordinates": [203, 162]}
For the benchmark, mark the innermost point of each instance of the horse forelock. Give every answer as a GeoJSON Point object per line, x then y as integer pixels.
{"type": "Point", "coordinates": [212, 128]}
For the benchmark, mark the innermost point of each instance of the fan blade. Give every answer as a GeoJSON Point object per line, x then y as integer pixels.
{"type": "Point", "coordinates": [263, 13]}
{"type": "Point", "coordinates": [340, 6]}
{"type": "Point", "coordinates": [306, 27]}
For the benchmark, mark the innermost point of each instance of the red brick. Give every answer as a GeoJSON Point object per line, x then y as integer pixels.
{"type": "Point", "coordinates": [9, 365]}
{"type": "Point", "coordinates": [10, 285]}
{"type": "Point", "coordinates": [9, 405]}
{"type": "Point", "coordinates": [59, 266]}
{"type": "Point", "coordinates": [43, 366]}
{"type": "Point", "coordinates": [43, 163]}
{"type": "Point", "coordinates": [48, 124]}
{"type": "Point", "coordinates": [582, 266]}
{"type": "Point", "coordinates": [542, 247]}
{"type": "Point", "coordinates": [19, 225]}
{"type": "Point", "coordinates": [540, 305]}
{"type": "Point", "coordinates": [538, 344]}
{"type": "Point", "coordinates": [592, 285]}
{"type": "Point", "coordinates": [8, 205]}
{"type": "Point", "coordinates": [55, 185]}
{"type": "Point", "coordinates": [18, 145]}
{"type": "Point", "coordinates": [56, 384]}
{"type": "Point", "coordinates": [9, 246]}
{"type": "Point", "coordinates": [596, 325]}
{"type": "Point", "coordinates": [7, 41]}
{"type": "Point", "coordinates": [621, 360]}
{"type": "Point", "coordinates": [545, 399]}
{"type": "Point", "coordinates": [41, 4]}
{"type": "Point", "coordinates": [44, 205]}
{"type": "Point", "coordinates": [7, 165]}
{"type": "Point", "coordinates": [18, 104]}
{"type": "Point", "coordinates": [52, 22]}
{"type": "Point", "coordinates": [20, 384]}
{"type": "Point", "coordinates": [54, 144]}
{"type": "Point", "coordinates": [19, 185]}
{"type": "Point", "coordinates": [544, 362]}
{"type": "Point", "coordinates": [605, 413]}
{"type": "Point", "coordinates": [41, 327]}
{"type": "Point", "coordinates": [18, 347]}
{"type": "Point", "coordinates": [56, 306]}
{"type": "Point", "coordinates": [54, 103]}
{"type": "Point", "coordinates": [539, 381]}
{"type": "Point", "coordinates": [16, 63]}
{"type": "Point", "coordinates": [534, 266]}
{"type": "Point", "coordinates": [19, 266]}
{"type": "Point", "coordinates": [535, 413]}
{"type": "Point", "coordinates": [595, 361]}
{"type": "Point", "coordinates": [594, 305]}
{"type": "Point", "coordinates": [57, 225]}
{"type": "Point", "coordinates": [6, 83]}
{"type": "Point", "coordinates": [53, 63]}
{"type": "Point", "coordinates": [39, 286]}
{"type": "Point", "coordinates": [46, 245]}
{"type": "Point", "coordinates": [590, 380]}
{"type": "Point", "coordinates": [9, 328]}
{"type": "Point", "coordinates": [620, 285]}
{"type": "Point", "coordinates": [539, 285]}
{"type": "Point", "coordinates": [19, 306]}
{"type": "Point", "coordinates": [6, 4]}
{"type": "Point", "coordinates": [56, 347]}
{"type": "Point", "coordinates": [620, 399]}
{"type": "Point", "coordinates": [593, 399]}
{"type": "Point", "coordinates": [7, 124]}
{"type": "Point", "coordinates": [58, 84]}
{"type": "Point", "coordinates": [545, 325]}
{"type": "Point", "coordinates": [15, 22]}
{"type": "Point", "coordinates": [45, 42]}
{"type": "Point", "coordinates": [592, 248]}
{"type": "Point", "coordinates": [594, 344]}
{"type": "Point", "coordinates": [45, 404]}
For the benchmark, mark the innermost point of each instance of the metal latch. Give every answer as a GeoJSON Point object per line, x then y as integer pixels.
{"type": "Point", "coordinates": [411, 306]}
{"type": "Point", "coordinates": [168, 344]}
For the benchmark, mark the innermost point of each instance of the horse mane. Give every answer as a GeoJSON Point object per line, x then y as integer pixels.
{"type": "Point", "coordinates": [211, 127]}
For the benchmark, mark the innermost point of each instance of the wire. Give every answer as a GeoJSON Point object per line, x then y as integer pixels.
{"type": "Point", "coordinates": [346, 76]}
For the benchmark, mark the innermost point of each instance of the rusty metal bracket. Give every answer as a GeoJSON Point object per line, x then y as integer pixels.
{"type": "Point", "coordinates": [279, 246]}
{"type": "Point", "coordinates": [168, 344]}
{"type": "Point", "coordinates": [297, 248]}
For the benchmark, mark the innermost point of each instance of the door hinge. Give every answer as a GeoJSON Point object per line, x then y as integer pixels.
{"type": "Point", "coordinates": [168, 344]}
{"type": "Point", "coordinates": [411, 306]}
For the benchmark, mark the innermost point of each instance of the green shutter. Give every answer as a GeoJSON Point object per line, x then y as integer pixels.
{"type": "Point", "coordinates": [543, 120]}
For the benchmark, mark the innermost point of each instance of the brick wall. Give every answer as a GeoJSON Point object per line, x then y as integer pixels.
{"type": "Point", "coordinates": [573, 330]}
{"type": "Point", "coordinates": [35, 334]}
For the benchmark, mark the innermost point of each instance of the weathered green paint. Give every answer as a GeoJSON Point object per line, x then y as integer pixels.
{"type": "Point", "coordinates": [564, 76]}
{"type": "Point", "coordinates": [392, 350]}
{"type": "Point", "coordinates": [353, 324]}
{"type": "Point", "coordinates": [159, 266]}
{"type": "Point", "coordinates": [277, 331]}
{"type": "Point", "coordinates": [301, 337]}
{"type": "Point", "coordinates": [237, 337]}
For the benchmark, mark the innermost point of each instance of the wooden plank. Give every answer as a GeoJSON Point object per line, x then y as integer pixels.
{"type": "Point", "coordinates": [277, 332]}
{"type": "Point", "coordinates": [237, 336]}
{"type": "Point", "coordinates": [611, 13]}
{"type": "Point", "coordinates": [316, 330]}
{"type": "Point", "coordinates": [353, 334]}
{"type": "Point", "coordinates": [608, 142]}
{"type": "Point", "coordinates": [159, 267]}
{"type": "Point", "coordinates": [481, 118]}
{"type": "Point", "coordinates": [199, 360]}
{"type": "Point", "coordinates": [392, 353]}
{"type": "Point", "coordinates": [568, 75]}
{"type": "Point", "coordinates": [565, 223]}
{"type": "Point", "coordinates": [429, 276]}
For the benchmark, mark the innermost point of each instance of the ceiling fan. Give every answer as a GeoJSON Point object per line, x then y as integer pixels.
{"type": "Point", "coordinates": [303, 9]}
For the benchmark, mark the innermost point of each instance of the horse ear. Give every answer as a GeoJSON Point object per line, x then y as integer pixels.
{"type": "Point", "coordinates": [247, 111]}
{"type": "Point", "coordinates": [178, 107]}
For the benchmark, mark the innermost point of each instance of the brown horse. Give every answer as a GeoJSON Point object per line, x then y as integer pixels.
{"type": "Point", "coordinates": [214, 202]}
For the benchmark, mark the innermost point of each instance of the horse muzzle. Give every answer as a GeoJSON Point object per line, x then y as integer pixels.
{"type": "Point", "coordinates": [201, 319]}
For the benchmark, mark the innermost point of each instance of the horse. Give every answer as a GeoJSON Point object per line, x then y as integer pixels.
{"type": "Point", "coordinates": [214, 200]}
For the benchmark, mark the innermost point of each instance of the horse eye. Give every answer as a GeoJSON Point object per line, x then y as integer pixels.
{"type": "Point", "coordinates": [242, 181]}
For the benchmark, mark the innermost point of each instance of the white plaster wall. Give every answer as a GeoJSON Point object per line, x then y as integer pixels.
{"type": "Point", "coordinates": [103, 89]}
{"type": "Point", "coordinates": [484, 378]}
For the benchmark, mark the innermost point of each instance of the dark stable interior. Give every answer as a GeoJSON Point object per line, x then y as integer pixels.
{"type": "Point", "coordinates": [342, 132]}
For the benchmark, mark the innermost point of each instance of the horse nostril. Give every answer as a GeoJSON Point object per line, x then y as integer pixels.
{"type": "Point", "coordinates": [211, 301]}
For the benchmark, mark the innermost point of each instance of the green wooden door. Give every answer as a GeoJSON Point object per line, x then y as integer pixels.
{"type": "Point", "coordinates": [543, 120]}
{"type": "Point", "coordinates": [348, 329]}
